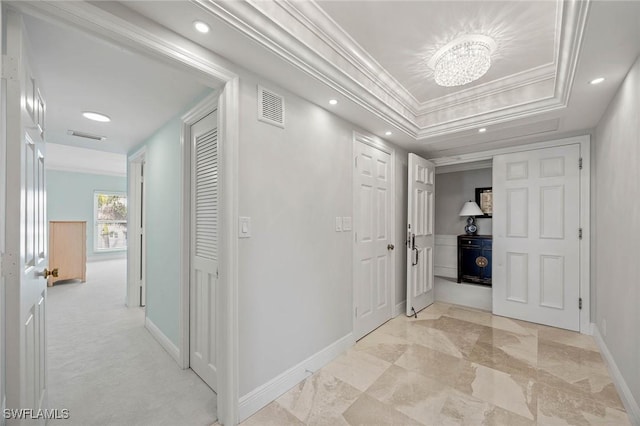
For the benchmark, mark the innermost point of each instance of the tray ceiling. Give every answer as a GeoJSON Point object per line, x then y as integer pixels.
{"type": "Point", "coordinates": [402, 36]}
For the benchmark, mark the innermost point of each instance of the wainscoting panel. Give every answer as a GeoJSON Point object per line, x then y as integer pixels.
{"type": "Point", "coordinates": [446, 256]}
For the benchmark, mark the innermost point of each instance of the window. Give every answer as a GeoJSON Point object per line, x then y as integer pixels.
{"type": "Point", "coordinates": [110, 221]}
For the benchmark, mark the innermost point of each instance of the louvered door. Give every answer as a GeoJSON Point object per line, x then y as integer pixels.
{"type": "Point", "coordinates": [204, 248]}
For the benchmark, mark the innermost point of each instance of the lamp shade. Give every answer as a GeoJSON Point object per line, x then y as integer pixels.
{"type": "Point", "coordinates": [470, 208]}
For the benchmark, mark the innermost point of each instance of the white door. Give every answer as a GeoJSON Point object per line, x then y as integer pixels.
{"type": "Point", "coordinates": [374, 246]}
{"type": "Point", "coordinates": [25, 244]}
{"type": "Point", "coordinates": [204, 248]}
{"type": "Point", "coordinates": [536, 244]}
{"type": "Point", "coordinates": [420, 238]}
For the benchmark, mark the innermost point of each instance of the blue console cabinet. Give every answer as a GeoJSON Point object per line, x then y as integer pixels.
{"type": "Point", "coordinates": [474, 259]}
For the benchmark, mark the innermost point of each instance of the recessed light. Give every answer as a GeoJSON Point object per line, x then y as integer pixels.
{"type": "Point", "coordinates": [388, 133]}
{"type": "Point", "coordinates": [96, 116]}
{"type": "Point", "coordinates": [333, 102]}
{"type": "Point", "coordinates": [597, 80]}
{"type": "Point", "coordinates": [482, 130]}
{"type": "Point", "coordinates": [201, 27]}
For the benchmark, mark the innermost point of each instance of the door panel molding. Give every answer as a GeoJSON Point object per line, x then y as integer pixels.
{"type": "Point", "coordinates": [585, 203]}
{"type": "Point", "coordinates": [420, 235]}
{"type": "Point", "coordinates": [537, 264]}
{"type": "Point", "coordinates": [373, 169]}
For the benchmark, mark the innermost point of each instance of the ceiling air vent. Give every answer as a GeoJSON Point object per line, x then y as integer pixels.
{"type": "Point", "coordinates": [270, 107]}
{"type": "Point", "coordinates": [86, 135]}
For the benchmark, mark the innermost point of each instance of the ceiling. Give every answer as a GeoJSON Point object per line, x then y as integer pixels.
{"type": "Point", "coordinates": [78, 72]}
{"type": "Point", "coordinates": [370, 55]}
{"type": "Point", "coordinates": [412, 32]}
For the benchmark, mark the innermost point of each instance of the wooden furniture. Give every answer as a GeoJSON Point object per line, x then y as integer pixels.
{"type": "Point", "coordinates": [68, 250]}
{"type": "Point", "coordinates": [474, 259]}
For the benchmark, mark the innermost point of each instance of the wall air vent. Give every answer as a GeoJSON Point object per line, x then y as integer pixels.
{"type": "Point", "coordinates": [86, 135]}
{"type": "Point", "coordinates": [270, 107]}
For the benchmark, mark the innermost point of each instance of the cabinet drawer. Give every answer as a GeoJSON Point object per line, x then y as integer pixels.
{"type": "Point", "coordinates": [469, 242]}
{"type": "Point", "coordinates": [486, 244]}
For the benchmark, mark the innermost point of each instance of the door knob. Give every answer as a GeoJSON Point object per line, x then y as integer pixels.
{"type": "Point", "coordinates": [390, 246]}
{"type": "Point", "coordinates": [49, 273]}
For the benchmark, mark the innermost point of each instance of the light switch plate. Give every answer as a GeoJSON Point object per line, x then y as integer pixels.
{"type": "Point", "coordinates": [346, 223]}
{"type": "Point", "coordinates": [244, 227]}
{"type": "Point", "coordinates": [338, 224]}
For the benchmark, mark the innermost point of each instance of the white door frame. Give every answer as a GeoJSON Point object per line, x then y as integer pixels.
{"type": "Point", "coordinates": [135, 248]}
{"type": "Point", "coordinates": [389, 149]}
{"type": "Point", "coordinates": [206, 66]}
{"type": "Point", "coordinates": [3, 117]}
{"type": "Point", "coordinates": [585, 206]}
{"type": "Point", "coordinates": [201, 110]}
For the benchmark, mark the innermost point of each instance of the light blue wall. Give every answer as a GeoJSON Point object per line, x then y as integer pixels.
{"type": "Point", "coordinates": [162, 190]}
{"type": "Point", "coordinates": [163, 199]}
{"type": "Point", "coordinates": [70, 197]}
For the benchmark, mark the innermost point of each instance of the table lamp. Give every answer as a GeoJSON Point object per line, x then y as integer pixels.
{"type": "Point", "coordinates": [471, 209]}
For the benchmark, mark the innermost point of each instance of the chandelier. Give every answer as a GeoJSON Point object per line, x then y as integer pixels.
{"type": "Point", "coordinates": [463, 60]}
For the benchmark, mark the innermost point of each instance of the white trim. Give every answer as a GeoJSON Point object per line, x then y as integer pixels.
{"type": "Point", "coordinates": [270, 391]}
{"type": "Point", "coordinates": [463, 167]}
{"type": "Point", "coordinates": [400, 308]}
{"type": "Point", "coordinates": [463, 294]}
{"type": "Point", "coordinates": [388, 149]}
{"type": "Point", "coordinates": [489, 154]}
{"type": "Point", "coordinates": [449, 268]}
{"type": "Point", "coordinates": [84, 170]}
{"type": "Point", "coordinates": [585, 243]}
{"type": "Point", "coordinates": [122, 254]}
{"type": "Point", "coordinates": [97, 192]}
{"type": "Point", "coordinates": [164, 341]}
{"type": "Point", "coordinates": [195, 114]}
{"type": "Point", "coordinates": [630, 404]}
{"type": "Point", "coordinates": [135, 249]}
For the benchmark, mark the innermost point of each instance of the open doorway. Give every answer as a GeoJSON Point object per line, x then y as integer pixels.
{"type": "Point", "coordinates": [89, 326]}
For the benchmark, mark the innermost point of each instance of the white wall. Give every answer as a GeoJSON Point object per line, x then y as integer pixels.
{"type": "Point", "coordinates": [452, 191]}
{"type": "Point", "coordinates": [617, 225]}
{"type": "Point", "coordinates": [295, 272]}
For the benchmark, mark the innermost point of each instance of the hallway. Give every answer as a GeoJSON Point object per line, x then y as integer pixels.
{"type": "Point", "coordinates": [456, 366]}
{"type": "Point", "coordinates": [106, 369]}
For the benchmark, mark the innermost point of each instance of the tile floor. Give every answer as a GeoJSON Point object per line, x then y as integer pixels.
{"type": "Point", "coordinates": [456, 366]}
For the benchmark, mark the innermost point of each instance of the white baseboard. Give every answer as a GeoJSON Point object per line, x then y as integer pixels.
{"type": "Point", "coordinates": [270, 391]}
{"type": "Point", "coordinates": [99, 258]}
{"type": "Point", "coordinates": [630, 404]}
{"type": "Point", "coordinates": [164, 341]}
{"type": "Point", "coordinates": [400, 308]}
{"type": "Point", "coordinates": [445, 271]}
{"type": "Point", "coordinates": [473, 296]}
{"type": "Point", "coordinates": [446, 256]}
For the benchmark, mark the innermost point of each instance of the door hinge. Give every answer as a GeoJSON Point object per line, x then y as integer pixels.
{"type": "Point", "coordinates": [356, 312]}
{"type": "Point", "coordinates": [217, 273]}
{"type": "Point", "coordinates": [580, 233]}
{"type": "Point", "coordinates": [9, 68]}
{"type": "Point", "coordinates": [356, 162]}
{"type": "Point", "coordinates": [8, 263]}
{"type": "Point", "coordinates": [580, 163]}
{"type": "Point", "coordinates": [356, 236]}
{"type": "Point", "coordinates": [580, 303]}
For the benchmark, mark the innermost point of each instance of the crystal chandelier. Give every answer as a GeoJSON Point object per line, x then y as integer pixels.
{"type": "Point", "coordinates": [463, 60]}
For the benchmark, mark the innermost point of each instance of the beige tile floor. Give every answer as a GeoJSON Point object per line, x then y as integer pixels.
{"type": "Point", "coordinates": [456, 366]}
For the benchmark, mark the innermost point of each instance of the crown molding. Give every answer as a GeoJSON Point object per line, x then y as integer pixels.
{"type": "Point", "coordinates": [273, 24]}
{"type": "Point", "coordinates": [304, 35]}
